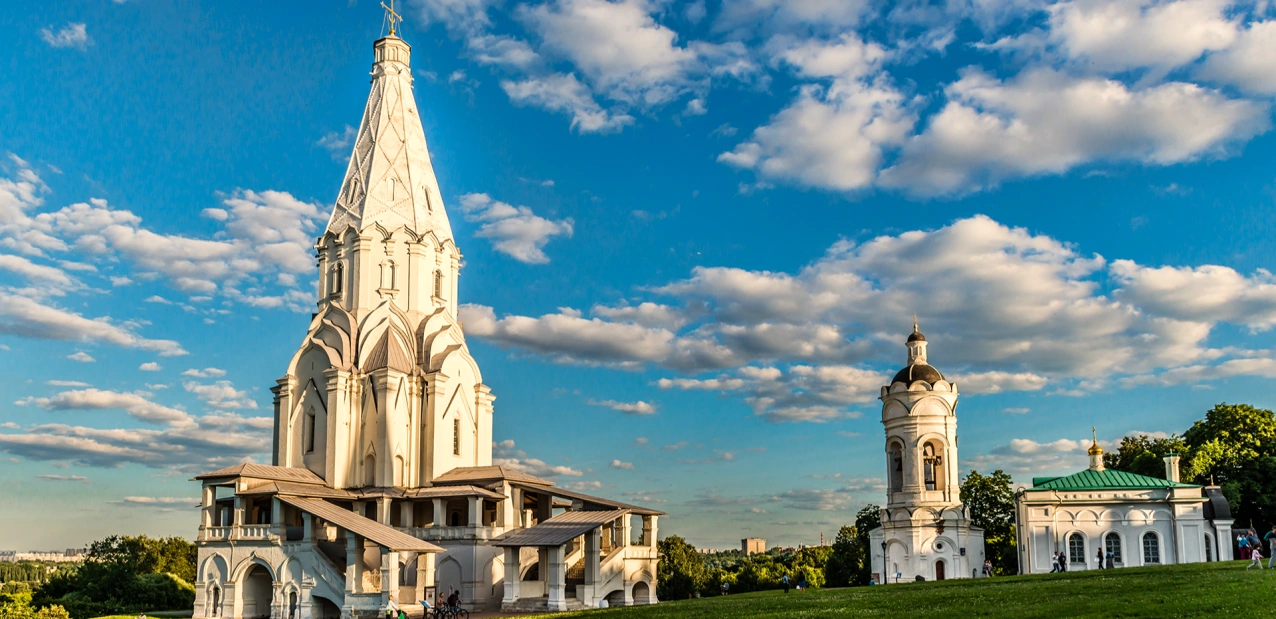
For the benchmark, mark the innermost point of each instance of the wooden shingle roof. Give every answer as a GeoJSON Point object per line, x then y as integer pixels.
{"type": "Point", "coordinates": [473, 474]}
{"type": "Point", "coordinates": [380, 534]}
{"type": "Point", "coordinates": [559, 492]}
{"type": "Point", "coordinates": [264, 471]}
{"type": "Point", "coordinates": [559, 530]}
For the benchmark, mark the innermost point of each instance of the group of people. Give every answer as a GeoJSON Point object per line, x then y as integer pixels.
{"type": "Point", "coordinates": [1249, 547]}
{"type": "Point", "coordinates": [451, 603]}
{"type": "Point", "coordinates": [801, 584]}
{"type": "Point", "coordinates": [1104, 561]}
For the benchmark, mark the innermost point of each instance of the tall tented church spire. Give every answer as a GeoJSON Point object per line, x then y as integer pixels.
{"type": "Point", "coordinates": [390, 180]}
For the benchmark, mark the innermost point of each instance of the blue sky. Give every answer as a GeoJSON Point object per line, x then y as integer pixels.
{"type": "Point", "coordinates": [728, 212]}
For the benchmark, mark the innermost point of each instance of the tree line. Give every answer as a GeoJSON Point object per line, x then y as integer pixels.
{"type": "Point", "coordinates": [119, 575]}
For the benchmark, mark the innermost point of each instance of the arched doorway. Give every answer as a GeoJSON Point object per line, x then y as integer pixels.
{"type": "Point", "coordinates": [257, 593]}
{"type": "Point", "coordinates": [939, 570]}
{"type": "Point", "coordinates": [642, 593]}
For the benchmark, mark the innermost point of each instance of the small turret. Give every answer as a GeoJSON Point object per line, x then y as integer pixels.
{"type": "Point", "coordinates": [1096, 452]}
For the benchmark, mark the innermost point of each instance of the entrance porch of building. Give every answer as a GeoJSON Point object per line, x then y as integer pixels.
{"type": "Point", "coordinates": [578, 559]}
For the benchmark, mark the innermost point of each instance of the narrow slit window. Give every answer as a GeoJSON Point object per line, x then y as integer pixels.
{"type": "Point", "coordinates": [456, 437]}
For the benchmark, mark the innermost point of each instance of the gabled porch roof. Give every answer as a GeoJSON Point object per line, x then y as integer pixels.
{"type": "Point", "coordinates": [559, 530]}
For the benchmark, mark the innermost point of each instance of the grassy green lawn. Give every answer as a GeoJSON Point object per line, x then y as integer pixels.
{"type": "Point", "coordinates": [1199, 590]}
{"type": "Point", "coordinates": [164, 614]}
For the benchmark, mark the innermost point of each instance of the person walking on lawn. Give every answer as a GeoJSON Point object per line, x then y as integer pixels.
{"type": "Point", "coordinates": [1242, 544]}
{"type": "Point", "coordinates": [1256, 556]}
{"type": "Point", "coordinates": [785, 581]}
{"type": "Point", "coordinates": [1270, 538]}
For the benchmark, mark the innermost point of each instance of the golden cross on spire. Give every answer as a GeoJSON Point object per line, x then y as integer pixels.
{"type": "Point", "coordinates": [391, 16]}
{"type": "Point", "coordinates": [914, 322]}
{"type": "Point", "coordinates": [1094, 434]}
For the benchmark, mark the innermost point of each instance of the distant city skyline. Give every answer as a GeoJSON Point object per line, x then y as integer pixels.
{"type": "Point", "coordinates": [695, 235]}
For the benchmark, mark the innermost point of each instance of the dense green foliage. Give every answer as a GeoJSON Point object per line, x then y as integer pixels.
{"type": "Point", "coordinates": [1233, 446]}
{"type": "Point", "coordinates": [23, 611]}
{"type": "Point", "coordinates": [28, 571]}
{"type": "Point", "coordinates": [1163, 592]}
{"type": "Point", "coordinates": [991, 502]}
{"type": "Point", "coordinates": [684, 571]}
{"type": "Point", "coordinates": [124, 574]}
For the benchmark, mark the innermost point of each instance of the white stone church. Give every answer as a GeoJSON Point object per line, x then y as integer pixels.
{"type": "Point", "coordinates": [1136, 519]}
{"type": "Point", "coordinates": [382, 483]}
{"type": "Point", "coordinates": [926, 530]}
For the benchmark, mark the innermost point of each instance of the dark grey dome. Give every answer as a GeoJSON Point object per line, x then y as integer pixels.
{"type": "Point", "coordinates": [917, 337]}
{"type": "Point", "coordinates": [918, 371]}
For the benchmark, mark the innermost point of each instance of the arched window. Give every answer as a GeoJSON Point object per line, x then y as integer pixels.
{"type": "Point", "coordinates": [1209, 549]}
{"type": "Point", "coordinates": [216, 610]}
{"type": "Point", "coordinates": [896, 455]}
{"type": "Point", "coordinates": [429, 204]}
{"type": "Point", "coordinates": [456, 437]}
{"type": "Point", "coordinates": [1112, 542]}
{"type": "Point", "coordinates": [309, 430]}
{"type": "Point", "coordinates": [292, 605]}
{"type": "Point", "coordinates": [1151, 548]}
{"type": "Point", "coordinates": [438, 284]}
{"type": "Point", "coordinates": [456, 519]}
{"type": "Point", "coordinates": [393, 182]}
{"type": "Point", "coordinates": [370, 470]}
{"type": "Point", "coordinates": [1076, 548]}
{"type": "Point", "coordinates": [338, 278]}
{"type": "Point", "coordinates": [932, 467]}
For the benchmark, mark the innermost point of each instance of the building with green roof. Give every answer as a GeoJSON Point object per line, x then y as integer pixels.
{"type": "Point", "coordinates": [1101, 518]}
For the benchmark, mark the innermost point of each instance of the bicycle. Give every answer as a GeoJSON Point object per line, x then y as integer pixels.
{"type": "Point", "coordinates": [447, 612]}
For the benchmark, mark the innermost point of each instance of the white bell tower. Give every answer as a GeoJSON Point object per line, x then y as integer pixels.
{"type": "Point", "coordinates": [925, 529]}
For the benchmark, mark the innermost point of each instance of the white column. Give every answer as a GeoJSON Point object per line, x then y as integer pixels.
{"type": "Point", "coordinates": [626, 530]}
{"type": "Point", "coordinates": [512, 579]}
{"type": "Point", "coordinates": [440, 513]}
{"type": "Point", "coordinates": [354, 561]}
{"type": "Point", "coordinates": [389, 575]}
{"type": "Point", "coordinates": [557, 583]}
{"type": "Point", "coordinates": [307, 528]}
{"type": "Point", "coordinates": [383, 511]}
{"type": "Point", "coordinates": [241, 505]}
{"type": "Point", "coordinates": [593, 557]}
{"type": "Point", "coordinates": [476, 510]}
{"type": "Point", "coordinates": [425, 577]}
{"type": "Point", "coordinates": [209, 503]}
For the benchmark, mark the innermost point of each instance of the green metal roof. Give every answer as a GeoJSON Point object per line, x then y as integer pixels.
{"type": "Point", "coordinates": [1104, 480]}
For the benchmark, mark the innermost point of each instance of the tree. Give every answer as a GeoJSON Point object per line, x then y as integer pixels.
{"type": "Point", "coordinates": [991, 502]}
{"type": "Point", "coordinates": [1229, 439]}
{"type": "Point", "coordinates": [126, 573]}
{"type": "Point", "coordinates": [1235, 446]}
{"type": "Point", "coordinates": [1142, 454]}
{"type": "Point", "coordinates": [844, 561]}
{"type": "Point", "coordinates": [867, 519]}
{"type": "Point", "coordinates": [681, 572]}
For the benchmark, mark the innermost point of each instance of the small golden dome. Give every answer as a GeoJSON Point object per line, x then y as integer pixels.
{"type": "Point", "coordinates": [1095, 450]}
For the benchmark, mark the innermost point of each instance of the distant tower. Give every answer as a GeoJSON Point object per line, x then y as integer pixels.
{"type": "Point", "coordinates": [925, 529]}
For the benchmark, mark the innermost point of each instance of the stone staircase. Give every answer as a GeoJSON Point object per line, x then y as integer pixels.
{"type": "Point", "coordinates": [575, 577]}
